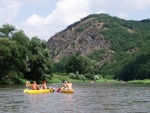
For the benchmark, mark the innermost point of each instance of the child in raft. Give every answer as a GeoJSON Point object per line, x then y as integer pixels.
{"type": "Point", "coordinates": [28, 84]}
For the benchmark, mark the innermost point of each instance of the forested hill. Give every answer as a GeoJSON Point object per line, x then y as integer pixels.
{"type": "Point", "coordinates": [98, 46]}
{"type": "Point", "coordinates": [116, 44]}
{"type": "Point", "coordinates": [100, 33]}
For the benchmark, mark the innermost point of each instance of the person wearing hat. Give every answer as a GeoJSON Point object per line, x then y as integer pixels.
{"type": "Point", "coordinates": [64, 86]}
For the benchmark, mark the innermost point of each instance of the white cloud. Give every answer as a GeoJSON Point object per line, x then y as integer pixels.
{"type": "Point", "coordinates": [35, 20]}
{"type": "Point", "coordinates": [8, 10]}
{"type": "Point", "coordinates": [140, 4]}
{"type": "Point", "coordinates": [66, 12]}
{"type": "Point", "coordinates": [71, 10]}
{"type": "Point", "coordinates": [126, 9]}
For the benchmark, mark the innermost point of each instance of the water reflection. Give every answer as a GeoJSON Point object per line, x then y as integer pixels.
{"type": "Point", "coordinates": [88, 98]}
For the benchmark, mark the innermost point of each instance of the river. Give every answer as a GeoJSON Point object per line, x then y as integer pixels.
{"type": "Point", "coordinates": [87, 98]}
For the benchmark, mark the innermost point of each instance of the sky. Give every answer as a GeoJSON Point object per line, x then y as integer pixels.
{"type": "Point", "coordinates": [44, 18]}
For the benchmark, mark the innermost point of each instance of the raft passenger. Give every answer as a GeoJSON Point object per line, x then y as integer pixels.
{"type": "Point", "coordinates": [69, 86]}
{"type": "Point", "coordinates": [34, 86]}
{"type": "Point", "coordinates": [44, 86]}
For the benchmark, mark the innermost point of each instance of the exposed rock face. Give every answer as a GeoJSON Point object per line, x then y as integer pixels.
{"type": "Point", "coordinates": [82, 38]}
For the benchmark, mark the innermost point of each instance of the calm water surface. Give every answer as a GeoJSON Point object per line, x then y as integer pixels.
{"type": "Point", "coordinates": [88, 98]}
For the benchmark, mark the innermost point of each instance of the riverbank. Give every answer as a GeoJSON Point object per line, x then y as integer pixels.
{"type": "Point", "coordinates": [146, 81]}
{"type": "Point", "coordinates": [58, 78]}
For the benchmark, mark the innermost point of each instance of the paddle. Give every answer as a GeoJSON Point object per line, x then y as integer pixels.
{"type": "Point", "coordinates": [58, 89]}
{"type": "Point", "coordinates": [61, 87]}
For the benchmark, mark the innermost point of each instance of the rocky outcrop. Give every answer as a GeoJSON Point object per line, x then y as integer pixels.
{"type": "Point", "coordinates": [83, 38]}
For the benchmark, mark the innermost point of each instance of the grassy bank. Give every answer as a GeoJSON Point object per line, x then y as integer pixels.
{"type": "Point", "coordinates": [58, 78]}
{"type": "Point", "coordinates": [108, 80]}
{"type": "Point", "coordinates": [146, 81]}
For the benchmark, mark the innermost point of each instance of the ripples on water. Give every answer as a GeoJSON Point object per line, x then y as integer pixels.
{"type": "Point", "coordinates": [88, 98]}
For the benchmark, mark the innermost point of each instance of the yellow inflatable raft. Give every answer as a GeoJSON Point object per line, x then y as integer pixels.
{"type": "Point", "coordinates": [38, 91]}
{"type": "Point", "coordinates": [67, 91]}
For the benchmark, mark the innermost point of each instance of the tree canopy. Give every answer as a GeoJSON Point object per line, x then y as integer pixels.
{"type": "Point", "coordinates": [21, 57]}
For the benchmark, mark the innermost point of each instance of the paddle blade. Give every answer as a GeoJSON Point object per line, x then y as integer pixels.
{"type": "Point", "coordinates": [58, 89]}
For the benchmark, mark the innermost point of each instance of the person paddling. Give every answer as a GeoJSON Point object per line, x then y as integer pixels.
{"type": "Point", "coordinates": [63, 86]}
{"type": "Point", "coordinates": [34, 86]}
{"type": "Point", "coordinates": [44, 86]}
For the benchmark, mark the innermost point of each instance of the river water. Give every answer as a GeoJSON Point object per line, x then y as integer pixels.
{"type": "Point", "coordinates": [87, 98]}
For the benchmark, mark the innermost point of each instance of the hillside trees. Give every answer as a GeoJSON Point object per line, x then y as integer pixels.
{"type": "Point", "coordinates": [82, 65]}
{"type": "Point", "coordinates": [138, 68]}
{"type": "Point", "coordinates": [126, 39]}
{"type": "Point", "coordinates": [59, 67]}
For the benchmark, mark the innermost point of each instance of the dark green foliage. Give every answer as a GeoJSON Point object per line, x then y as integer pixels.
{"type": "Point", "coordinates": [59, 67]}
{"type": "Point", "coordinates": [121, 39]}
{"type": "Point", "coordinates": [21, 38]}
{"type": "Point", "coordinates": [13, 78]}
{"type": "Point", "coordinates": [39, 60]}
{"type": "Point", "coordinates": [10, 56]}
{"type": "Point", "coordinates": [22, 58]}
{"type": "Point", "coordinates": [146, 20]}
{"type": "Point", "coordinates": [96, 55]}
{"type": "Point", "coordinates": [138, 68]}
{"type": "Point", "coordinates": [82, 65]}
{"type": "Point", "coordinates": [73, 65]}
{"type": "Point", "coordinates": [6, 30]}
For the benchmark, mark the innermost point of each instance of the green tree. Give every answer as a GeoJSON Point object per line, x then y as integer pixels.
{"type": "Point", "coordinates": [11, 57]}
{"type": "Point", "coordinates": [59, 67]}
{"type": "Point", "coordinates": [7, 30]}
{"type": "Point", "coordinates": [39, 59]}
{"type": "Point", "coordinates": [137, 68]}
{"type": "Point", "coordinates": [21, 57]}
{"type": "Point", "coordinates": [21, 38]}
{"type": "Point", "coordinates": [82, 65]}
